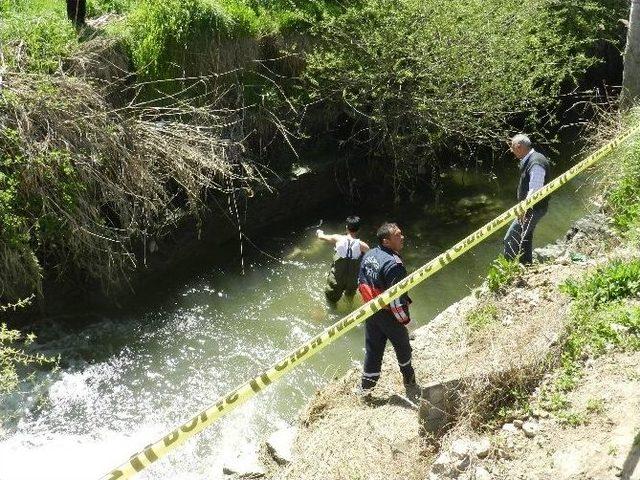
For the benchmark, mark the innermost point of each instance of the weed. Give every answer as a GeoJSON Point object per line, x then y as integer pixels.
{"type": "Point", "coordinates": [502, 273]}
{"type": "Point", "coordinates": [482, 316]}
{"type": "Point", "coordinates": [613, 282]}
{"type": "Point", "coordinates": [595, 406]}
{"type": "Point", "coordinates": [572, 418]}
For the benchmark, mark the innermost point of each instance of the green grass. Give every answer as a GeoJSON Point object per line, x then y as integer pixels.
{"type": "Point", "coordinates": [35, 35]}
{"type": "Point", "coordinates": [618, 280]}
{"type": "Point", "coordinates": [482, 316]}
{"type": "Point", "coordinates": [602, 320]}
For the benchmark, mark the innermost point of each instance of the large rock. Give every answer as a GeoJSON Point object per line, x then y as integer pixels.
{"type": "Point", "coordinates": [246, 466]}
{"type": "Point", "coordinates": [483, 447]}
{"type": "Point", "coordinates": [280, 445]}
{"type": "Point", "coordinates": [550, 252]}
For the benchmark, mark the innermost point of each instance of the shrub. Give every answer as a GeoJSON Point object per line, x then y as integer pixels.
{"type": "Point", "coordinates": [615, 281]}
{"type": "Point", "coordinates": [422, 77]}
{"type": "Point", "coordinates": [502, 272]}
{"type": "Point", "coordinates": [82, 186]}
{"type": "Point", "coordinates": [14, 354]}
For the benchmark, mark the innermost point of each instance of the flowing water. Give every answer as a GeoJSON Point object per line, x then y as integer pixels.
{"type": "Point", "coordinates": [129, 378]}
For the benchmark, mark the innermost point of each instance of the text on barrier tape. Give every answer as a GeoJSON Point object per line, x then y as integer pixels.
{"type": "Point", "coordinates": [247, 390]}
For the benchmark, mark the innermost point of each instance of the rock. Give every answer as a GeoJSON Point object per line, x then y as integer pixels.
{"type": "Point", "coordinates": [447, 466]}
{"type": "Point", "coordinates": [530, 429]}
{"type": "Point", "coordinates": [549, 253]}
{"type": "Point", "coordinates": [442, 463]}
{"type": "Point", "coordinates": [481, 474]}
{"type": "Point", "coordinates": [483, 448]}
{"type": "Point", "coordinates": [461, 448]}
{"type": "Point", "coordinates": [280, 445]}
{"type": "Point", "coordinates": [518, 423]}
{"type": "Point", "coordinates": [540, 414]}
{"type": "Point", "coordinates": [474, 202]}
{"type": "Point", "coordinates": [463, 464]}
{"type": "Point", "coordinates": [244, 467]}
{"type": "Point", "coordinates": [510, 428]}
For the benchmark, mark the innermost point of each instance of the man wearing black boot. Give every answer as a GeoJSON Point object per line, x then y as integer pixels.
{"type": "Point", "coordinates": [381, 268]}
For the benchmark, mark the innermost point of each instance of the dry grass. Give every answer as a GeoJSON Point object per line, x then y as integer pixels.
{"type": "Point", "coordinates": [347, 438]}
{"type": "Point", "coordinates": [111, 178]}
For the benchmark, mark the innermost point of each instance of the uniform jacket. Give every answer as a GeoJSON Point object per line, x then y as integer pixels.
{"type": "Point", "coordinates": [380, 269]}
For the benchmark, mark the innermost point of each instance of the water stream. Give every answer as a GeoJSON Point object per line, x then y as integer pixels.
{"type": "Point", "coordinates": [130, 377]}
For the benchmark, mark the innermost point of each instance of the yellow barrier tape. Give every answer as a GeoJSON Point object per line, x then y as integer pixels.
{"type": "Point", "coordinates": [249, 389]}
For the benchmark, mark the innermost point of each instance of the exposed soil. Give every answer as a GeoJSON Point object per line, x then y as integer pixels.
{"type": "Point", "coordinates": [342, 436]}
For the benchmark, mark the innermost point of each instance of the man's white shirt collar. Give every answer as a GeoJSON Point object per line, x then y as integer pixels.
{"type": "Point", "coordinates": [526, 157]}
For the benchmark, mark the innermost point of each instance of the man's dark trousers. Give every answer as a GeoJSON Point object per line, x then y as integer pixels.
{"type": "Point", "coordinates": [519, 237]}
{"type": "Point", "coordinates": [380, 327]}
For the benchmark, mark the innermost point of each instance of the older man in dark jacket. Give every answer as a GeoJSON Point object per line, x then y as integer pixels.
{"type": "Point", "coordinates": [534, 173]}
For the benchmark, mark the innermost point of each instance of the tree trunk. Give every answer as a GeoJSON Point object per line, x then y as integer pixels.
{"type": "Point", "coordinates": [76, 11]}
{"type": "Point", "coordinates": [631, 73]}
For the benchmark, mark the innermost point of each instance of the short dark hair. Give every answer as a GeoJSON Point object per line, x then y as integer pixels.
{"type": "Point", "coordinates": [385, 231]}
{"type": "Point", "coordinates": [353, 223]}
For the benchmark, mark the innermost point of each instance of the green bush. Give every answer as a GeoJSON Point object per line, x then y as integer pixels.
{"type": "Point", "coordinates": [502, 272]}
{"type": "Point", "coordinates": [154, 28]}
{"type": "Point", "coordinates": [423, 77]}
{"type": "Point", "coordinates": [14, 355]}
{"type": "Point", "coordinates": [616, 281]}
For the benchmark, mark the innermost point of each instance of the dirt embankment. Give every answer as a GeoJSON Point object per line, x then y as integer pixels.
{"type": "Point", "coordinates": [513, 348]}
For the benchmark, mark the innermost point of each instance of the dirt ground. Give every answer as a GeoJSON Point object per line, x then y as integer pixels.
{"type": "Point", "coordinates": [606, 447]}
{"type": "Point", "coordinates": [342, 436]}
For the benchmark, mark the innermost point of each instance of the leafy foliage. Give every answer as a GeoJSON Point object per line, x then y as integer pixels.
{"type": "Point", "coordinates": [618, 280]}
{"type": "Point", "coordinates": [502, 272]}
{"type": "Point", "coordinates": [14, 354]}
{"type": "Point", "coordinates": [418, 78]}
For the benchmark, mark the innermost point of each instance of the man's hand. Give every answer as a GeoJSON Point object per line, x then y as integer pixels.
{"type": "Point", "coordinates": [524, 218]}
{"type": "Point", "coordinates": [319, 232]}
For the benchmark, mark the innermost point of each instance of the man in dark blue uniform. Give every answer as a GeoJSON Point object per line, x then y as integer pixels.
{"type": "Point", "coordinates": [381, 268]}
